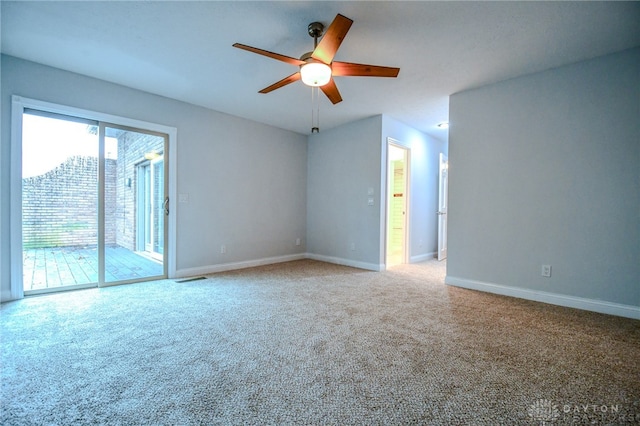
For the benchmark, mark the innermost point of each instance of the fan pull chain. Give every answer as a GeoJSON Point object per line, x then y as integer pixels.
{"type": "Point", "coordinates": [315, 110]}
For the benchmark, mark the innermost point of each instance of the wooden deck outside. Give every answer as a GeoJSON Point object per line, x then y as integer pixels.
{"type": "Point", "coordinates": [63, 266]}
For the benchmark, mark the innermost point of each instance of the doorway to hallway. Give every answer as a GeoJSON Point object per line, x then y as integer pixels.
{"type": "Point", "coordinates": [397, 203]}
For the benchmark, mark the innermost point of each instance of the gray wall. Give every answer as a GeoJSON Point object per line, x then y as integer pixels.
{"type": "Point", "coordinates": [343, 163]}
{"type": "Point", "coordinates": [545, 169]}
{"type": "Point", "coordinates": [246, 181]}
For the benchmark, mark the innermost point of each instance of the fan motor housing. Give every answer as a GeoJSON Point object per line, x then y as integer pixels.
{"type": "Point", "coordinates": [315, 29]}
{"type": "Point", "coordinates": [306, 57]}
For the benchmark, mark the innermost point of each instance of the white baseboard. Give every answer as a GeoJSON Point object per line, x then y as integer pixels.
{"type": "Point", "coordinates": [423, 257]}
{"type": "Point", "coordinates": [346, 262]}
{"type": "Point", "coordinates": [211, 269]}
{"type": "Point", "coordinates": [601, 306]}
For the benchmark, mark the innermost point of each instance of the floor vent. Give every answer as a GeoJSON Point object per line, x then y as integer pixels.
{"type": "Point", "coordinates": [186, 280]}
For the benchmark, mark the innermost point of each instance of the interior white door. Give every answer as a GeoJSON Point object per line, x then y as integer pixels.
{"type": "Point", "coordinates": [443, 183]}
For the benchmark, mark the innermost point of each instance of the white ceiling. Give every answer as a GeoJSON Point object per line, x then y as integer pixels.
{"type": "Point", "coordinates": [182, 50]}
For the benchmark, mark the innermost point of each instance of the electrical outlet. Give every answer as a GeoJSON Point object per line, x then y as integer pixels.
{"type": "Point", "coordinates": [223, 249]}
{"type": "Point", "coordinates": [546, 271]}
{"type": "Point", "coordinates": [297, 241]}
{"type": "Point", "coordinates": [353, 246]}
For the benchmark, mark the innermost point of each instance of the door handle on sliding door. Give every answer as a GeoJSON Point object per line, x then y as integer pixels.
{"type": "Point", "coordinates": [165, 206]}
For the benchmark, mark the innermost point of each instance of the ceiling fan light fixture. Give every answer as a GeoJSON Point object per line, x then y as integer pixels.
{"type": "Point", "coordinates": [315, 74]}
{"type": "Point", "coordinates": [317, 67]}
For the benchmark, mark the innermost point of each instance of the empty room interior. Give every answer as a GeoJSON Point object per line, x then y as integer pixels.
{"type": "Point", "coordinates": [312, 212]}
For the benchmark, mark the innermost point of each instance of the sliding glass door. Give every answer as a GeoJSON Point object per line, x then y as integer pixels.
{"type": "Point", "coordinates": [59, 201]}
{"type": "Point", "coordinates": [135, 204]}
{"type": "Point", "coordinates": [94, 203]}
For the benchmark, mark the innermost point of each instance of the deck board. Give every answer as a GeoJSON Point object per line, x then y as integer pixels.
{"type": "Point", "coordinates": [78, 274]}
{"type": "Point", "coordinates": [63, 266]}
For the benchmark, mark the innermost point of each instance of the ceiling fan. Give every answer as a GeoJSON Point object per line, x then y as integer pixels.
{"type": "Point", "coordinates": [318, 68]}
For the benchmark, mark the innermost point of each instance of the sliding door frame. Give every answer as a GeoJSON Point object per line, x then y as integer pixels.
{"type": "Point", "coordinates": [102, 127]}
{"type": "Point", "coordinates": [18, 106]}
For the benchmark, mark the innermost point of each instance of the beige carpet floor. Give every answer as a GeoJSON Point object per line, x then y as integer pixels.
{"type": "Point", "coordinates": [312, 343]}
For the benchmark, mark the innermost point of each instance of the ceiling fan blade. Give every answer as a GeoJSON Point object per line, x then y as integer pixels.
{"type": "Point", "coordinates": [342, 69]}
{"type": "Point", "coordinates": [331, 90]}
{"type": "Point", "coordinates": [277, 56]}
{"type": "Point", "coordinates": [330, 42]}
{"type": "Point", "coordinates": [281, 83]}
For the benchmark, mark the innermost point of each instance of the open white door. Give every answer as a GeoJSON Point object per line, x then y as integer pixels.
{"type": "Point", "coordinates": [442, 207]}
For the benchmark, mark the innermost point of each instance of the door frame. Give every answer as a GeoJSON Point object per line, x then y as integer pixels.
{"type": "Point", "coordinates": [406, 255]}
{"type": "Point", "coordinates": [145, 179]}
{"type": "Point", "coordinates": [18, 105]}
{"type": "Point", "coordinates": [102, 128]}
{"type": "Point", "coordinates": [443, 205]}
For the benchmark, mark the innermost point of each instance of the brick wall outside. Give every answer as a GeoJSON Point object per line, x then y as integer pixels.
{"type": "Point", "coordinates": [132, 148]}
{"type": "Point", "coordinates": [59, 208]}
